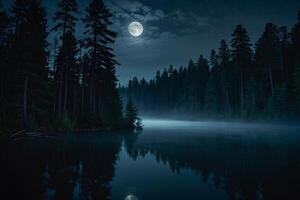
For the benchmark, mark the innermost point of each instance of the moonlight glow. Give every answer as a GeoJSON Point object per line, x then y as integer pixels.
{"type": "Point", "coordinates": [131, 197]}
{"type": "Point", "coordinates": [135, 29]}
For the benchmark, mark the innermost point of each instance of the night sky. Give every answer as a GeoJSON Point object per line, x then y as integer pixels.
{"type": "Point", "coordinates": [176, 31]}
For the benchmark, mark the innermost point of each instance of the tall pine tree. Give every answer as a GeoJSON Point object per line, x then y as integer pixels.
{"type": "Point", "coordinates": [242, 61]}
{"type": "Point", "coordinates": [30, 63]}
{"type": "Point", "coordinates": [5, 34]}
{"type": "Point", "coordinates": [226, 77]}
{"type": "Point", "coordinates": [269, 69]}
{"type": "Point", "coordinates": [103, 95]}
{"type": "Point", "coordinates": [65, 21]}
{"type": "Point", "coordinates": [296, 55]}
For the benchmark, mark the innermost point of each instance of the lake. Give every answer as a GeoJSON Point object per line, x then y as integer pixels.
{"type": "Point", "coordinates": [169, 160]}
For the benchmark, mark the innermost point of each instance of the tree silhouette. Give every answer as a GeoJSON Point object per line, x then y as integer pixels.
{"type": "Point", "coordinates": [226, 76]}
{"type": "Point", "coordinates": [237, 83]}
{"type": "Point", "coordinates": [29, 61]}
{"type": "Point", "coordinates": [131, 115]}
{"type": "Point", "coordinates": [242, 60]}
{"type": "Point", "coordinates": [4, 69]}
{"type": "Point", "coordinates": [77, 90]}
{"type": "Point", "coordinates": [65, 21]}
{"type": "Point", "coordinates": [296, 55]}
{"type": "Point", "coordinates": [102, 78]}
{"type": "Point", "coordinates": [65, 18]}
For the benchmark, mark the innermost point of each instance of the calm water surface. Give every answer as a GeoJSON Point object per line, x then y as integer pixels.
{"type": "Point", "coordinates": [169, 160]}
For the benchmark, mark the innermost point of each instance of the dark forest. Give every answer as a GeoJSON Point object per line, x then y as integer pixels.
{"type": "Point", "coordinates": [98, 100]}
{"type": "Point", "coordinates": [239, 80]}
{"type": "Point", "coordinates": [79, 91]}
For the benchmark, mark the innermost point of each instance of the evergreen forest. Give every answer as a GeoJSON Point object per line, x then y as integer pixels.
{"type": "Point", "coordinates": [79, 90]}
{"type": "Point", "coordinates": [239, 80]}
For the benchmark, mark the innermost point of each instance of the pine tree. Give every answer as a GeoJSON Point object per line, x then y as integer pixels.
{"type": "Point", "coordinates": [269, 42]}
{"type": "Point", "coordinates": [213, 92]}
{"type": "Point", "coordinates": [65, 18]}
{"type": "Point", "coordinates": [242, 59]}
{"type": "Point", "coordinates": [4, 22]}
{"type": "Point", "coordinates": [5, 34]}
{"type": "Point", "coordinates": [102, 80]}
{"type": "Point", "coordinates": [203, 74]}
{"type": "Point", "coordinates": [30, 33]}
{"type": "Point", "coordinates": [84, 84]}
{"type": "Point", "coordinates": [68, 68]}
{"type": "Point", "coordinates": [296, 55]}
{"type": "Point", "coordinates": [296, 39]}
{"type": "Point", "coordinates": [131, 115]}
{"type": "Point", "coordinates": [214, 58]}
{"type": "Point", "coordinates": [226, 77]}
{"type": "Point", "coordinates": [279, 104]}
{"type": "Point", "coordinates": [297, 86]}
{"type": "Point", "coordinates": [285, 53]}
{"type": "Point", "coordinates": [112, 102]}
{"type": "Point", "coordinates": [97, 37]}
{"type": "Point", "coordinates": [65, 21]}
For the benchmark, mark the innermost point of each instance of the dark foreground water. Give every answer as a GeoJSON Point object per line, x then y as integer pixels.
{"type": "Point", "coordinates": [169, 160]}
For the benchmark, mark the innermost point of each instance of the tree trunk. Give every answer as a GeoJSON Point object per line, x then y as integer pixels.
{"type": "Point", "coordinates": [2, 103]}
{"type": "Point", "coordinates": [2, 90]}
{"type": "Point", "coordinates": [64, 28]}
{"type": "Point", "coordinates": [93, 85]}
{"type": "Point", "coordinates": [54, 99]}
{"type": "Point", "coordinates": [66, 90]}
{"type": "Point", "coordinates": [55, 92]}
{"type": "Point", "coordinates": [228, 107]}
{"type": "Point", "coordinates": [271, 80]}
{"type": "Point", "coordinates": [254, 102]}
{"type": "Point", "coordinates": [60, 95]}
{"type": "Point", "coordinates": [283, 65]}
{"type": "Point", "coordinates": [74, 99]}
{"type": "Point", "coordinates": [242, 94]}
{"type": "Point", "coordinates": [60, 92]}
{"type": "Point", "coordinates": [92, 95]}
{"type": "Point", "coordinates": [25, 102]}
{"type": "Point", "coordinates": [82, 99]}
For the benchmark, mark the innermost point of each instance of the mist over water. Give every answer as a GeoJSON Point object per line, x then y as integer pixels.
{"type": "Point", "coordinates": [201, 126]}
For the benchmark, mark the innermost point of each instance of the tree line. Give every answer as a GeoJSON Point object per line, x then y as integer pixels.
{"type": "Point", "coordinates": [238, 80]}
{"type": "Point", "coordinates": [79, 90]}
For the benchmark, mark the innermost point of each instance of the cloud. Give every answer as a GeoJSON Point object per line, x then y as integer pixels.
{"type": "Point", "coordinates": [158, 24]}
{"type": "Point", "coordinates": [128, 10]}
{"type": "Point", "coordinates": [185, 23]}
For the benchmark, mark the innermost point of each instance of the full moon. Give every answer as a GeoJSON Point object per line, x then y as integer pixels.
{"type": "Point", "coordinates": [135, 29]}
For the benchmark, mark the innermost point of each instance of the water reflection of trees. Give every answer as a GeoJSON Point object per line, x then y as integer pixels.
{"type": "Point", "coordinates": [60, 169]}
{"type": "Point", "coordinates": [245, 167]}
{"type": "Point", "coordinates": [83, 167]}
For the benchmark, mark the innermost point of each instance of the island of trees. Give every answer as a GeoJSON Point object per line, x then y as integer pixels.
{"type": "Point", "coordinates": [239, 80]}
{"type": "Point", "coordinates": [79, 89]}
